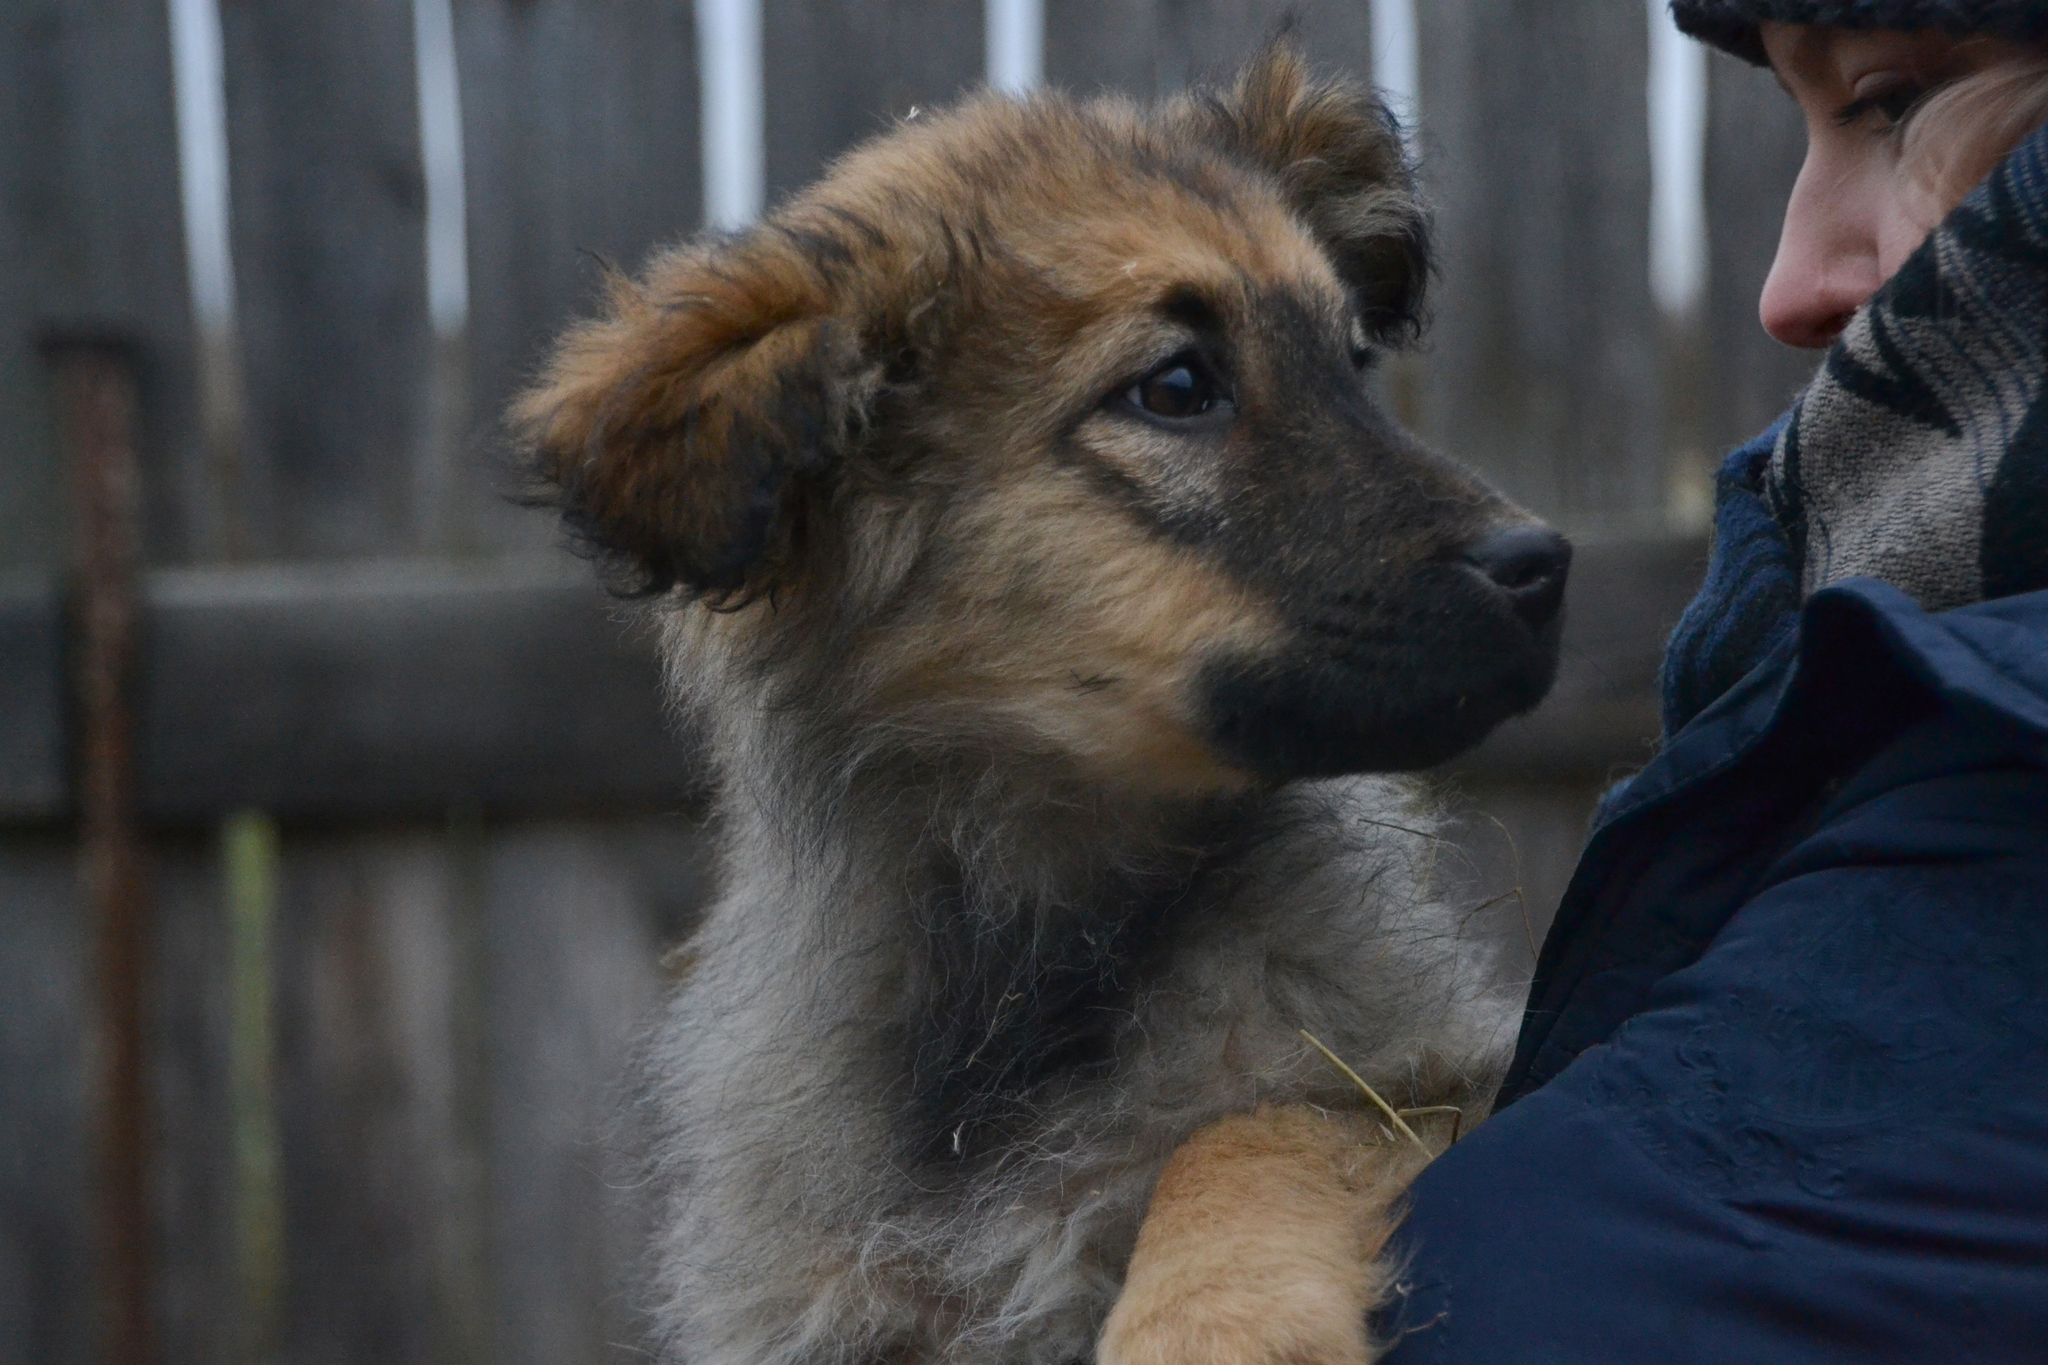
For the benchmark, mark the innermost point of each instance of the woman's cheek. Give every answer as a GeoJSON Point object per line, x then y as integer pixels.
{"type": "Point", "coordinates": [1910, 210]}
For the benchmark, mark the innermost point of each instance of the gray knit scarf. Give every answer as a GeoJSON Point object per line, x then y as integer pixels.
{"type": "Point", "coordinates": [1919, 454]}
{"type": "Point", "coordinates": [1916, 456]}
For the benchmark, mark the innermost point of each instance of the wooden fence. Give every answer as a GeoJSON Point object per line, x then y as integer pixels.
{"type": "Point", "coordinates": [415, 840]}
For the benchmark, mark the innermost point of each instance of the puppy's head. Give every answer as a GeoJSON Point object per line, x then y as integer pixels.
{"type": "Point", "coordinates": [1047, 424]}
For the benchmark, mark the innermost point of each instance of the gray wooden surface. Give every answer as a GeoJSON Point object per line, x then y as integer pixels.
{"type": "Point", "coordinates": [488, 837]}
{"type": "Point", "coordinates": [1542, 363]}
{"type": "Point", "coordinates": [841, 70]}
{"type": "Point", "coordinates": [1149, 48]}
{"type": "Point", "coordinates": [35, 750]}
{"type": "Point", "coordinates": [46, 1311]}
{"type": "Point", "coordinates": [402, 689]}
{"type": "Point", "coordinates": [197, 1306]}
{"type": "Point", "coordinates": [329, 208]}
{"type": "Point", "coordinates": [580, 146]}
{"type": "Point", "coordinates": [93, 243]}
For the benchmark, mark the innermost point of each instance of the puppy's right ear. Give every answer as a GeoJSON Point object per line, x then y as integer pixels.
{"type": "Point", "coordinates": [1339, 154]}
{"type": "Point", "coordinates": [677, 432]}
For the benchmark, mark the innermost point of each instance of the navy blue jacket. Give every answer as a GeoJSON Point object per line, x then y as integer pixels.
{"type": "Point", "coordinates": [1782, 1092]}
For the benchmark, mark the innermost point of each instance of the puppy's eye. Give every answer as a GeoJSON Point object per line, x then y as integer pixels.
{"type": "Point", "coordinates": [1182, 387]}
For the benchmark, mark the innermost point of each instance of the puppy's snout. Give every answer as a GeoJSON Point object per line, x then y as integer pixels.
{"type": "Point", "coordinates": [1528, 563]}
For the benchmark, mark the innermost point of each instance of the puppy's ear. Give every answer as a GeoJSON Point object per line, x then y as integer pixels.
{"type": "Point", "coordinates": [1339, 154]}
{"type": "Point", "coordinates": [677, 431]}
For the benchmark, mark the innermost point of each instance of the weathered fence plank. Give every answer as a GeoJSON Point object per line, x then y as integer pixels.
{"type": "Point", "coordinates": [367, 1094]}
{"type": "Point", "coordinates": [35, 750]}
{"type": "Point", "coordinates": [1756, 140]}
{"type": "Point", "coordinates": [1542, 366]}
{"type": "Point", "coordinates": [198, 1310]}
{"type": "Point", "coordinates": [329, 221]}
{"type": "Point", "coordinates": [47, 1312]}
{"type": "Point", "coordinates": [1148, 48]}
{"type": "Point", "coordinates": [840, 70]}
{"type": "Point", "coordinates": [580, 143]}
{"type": "Point", "coordinates": [91, 242]}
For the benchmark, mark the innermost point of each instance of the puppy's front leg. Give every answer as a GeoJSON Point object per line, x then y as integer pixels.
{"type": "Point", "coordinates": [1260, 1245]}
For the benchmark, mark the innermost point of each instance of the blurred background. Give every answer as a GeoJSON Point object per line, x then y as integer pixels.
{"type": "Point", "coordinates": [340, 836]}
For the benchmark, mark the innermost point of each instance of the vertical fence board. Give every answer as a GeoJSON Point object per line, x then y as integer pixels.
{"type": "Point", "coordinates": [91, 240]}
{"type": "Point", "coordinates": [1756, 139]}
{"type": "Point", "coordinates": [1543, 362]}
{"type": "Point", "coordinates": [1148, 48]}
{"type": "Point", "coordinates": [193, 1191]}
{"type": "Point", "coordinates": [580, 141]}
{"type": "Point", "coordinates": [46, 1119]}
{"type": "Point", "coordinates": [329, 208]}
{"type": "Point", "coordinates": [576, 914]}
{"type": "Point", "coordinates": [367, 965]}
{"type": "Point", "coordinates": [34, 527]}
{"type": "Point", "coordinates": [840, 70]}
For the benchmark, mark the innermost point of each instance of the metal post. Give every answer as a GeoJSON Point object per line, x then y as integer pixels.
{"type": "Point", "coordinates": [730, 88]}
{"type": "Point", "coordinates": [1015, 45]}
{"type": "Point", "coordinates": [97, 397]}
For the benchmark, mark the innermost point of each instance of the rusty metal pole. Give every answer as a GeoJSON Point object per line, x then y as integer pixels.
{"type": "Point", "coordinates": [97, 397]}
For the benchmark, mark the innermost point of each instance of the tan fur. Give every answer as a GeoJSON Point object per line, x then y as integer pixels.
{"type": "Point", "coordinates": [1261, 1244]}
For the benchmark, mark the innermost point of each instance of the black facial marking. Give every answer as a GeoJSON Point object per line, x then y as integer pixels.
{"type": "Point", "coordinates": [1399, 647]}
{"type": "Point", "coordinates": [1188, 307]}
{"type": "Point", "coordinates": [1019, 1000]}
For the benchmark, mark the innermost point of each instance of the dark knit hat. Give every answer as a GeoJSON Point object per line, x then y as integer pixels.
{"type": "Point", "coordinates": [1731, 25]}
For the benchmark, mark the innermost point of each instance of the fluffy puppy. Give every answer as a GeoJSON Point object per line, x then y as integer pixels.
{"type": "Point", "coordinates": [1034, 561]}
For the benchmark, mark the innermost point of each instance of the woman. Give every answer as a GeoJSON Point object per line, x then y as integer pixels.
{"type": "Point", "coordinates": [1781, 1094]}
{"type": "Point", "coordinates": [1782, 1091]}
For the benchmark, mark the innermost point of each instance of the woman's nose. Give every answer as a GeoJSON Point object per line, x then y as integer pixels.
{"type": "Point", "coordinates": [1827, 262]}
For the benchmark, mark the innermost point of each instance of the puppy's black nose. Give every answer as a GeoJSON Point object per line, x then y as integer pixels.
{"type": "Point", "coordinates": [1527, 562]}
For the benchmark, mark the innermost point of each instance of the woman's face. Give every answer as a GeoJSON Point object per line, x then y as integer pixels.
{"type": "Point", "coordinates": [1857, 210]}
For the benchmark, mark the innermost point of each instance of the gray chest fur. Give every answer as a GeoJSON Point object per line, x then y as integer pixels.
{"type": "Point", "coordinates": [906, 1120]}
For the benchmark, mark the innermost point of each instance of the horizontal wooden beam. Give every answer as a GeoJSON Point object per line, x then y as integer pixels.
{"type": "Point", "coordinates": [371, 688]}
{"type": "Point", "coordinates": [366, 690]}
{"type": "Point", "coordinates": [358, 690]}
{"type": "Point", "coordinates": [35, 777]}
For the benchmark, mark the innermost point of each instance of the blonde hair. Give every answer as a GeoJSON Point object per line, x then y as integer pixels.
{"type": "Point", "coordinates": [1961, 131]}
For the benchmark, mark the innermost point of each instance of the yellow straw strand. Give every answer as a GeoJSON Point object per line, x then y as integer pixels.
{"type": "Point", "coordinates": [1456, 1123]}
{"type": "Point", "coordinates": [1400, 1124]}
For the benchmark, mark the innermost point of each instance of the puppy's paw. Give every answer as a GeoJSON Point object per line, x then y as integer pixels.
{"type": "Point", "coordinates": [1254, 1324]}
{"type": "Point", "coordinates": [1260, 1246]}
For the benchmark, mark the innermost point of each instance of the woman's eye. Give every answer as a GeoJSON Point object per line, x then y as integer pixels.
{"type": "Point", "coordinates": [1886, 107]}
{"type": "Point", "coordinates": [1182, 387]}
